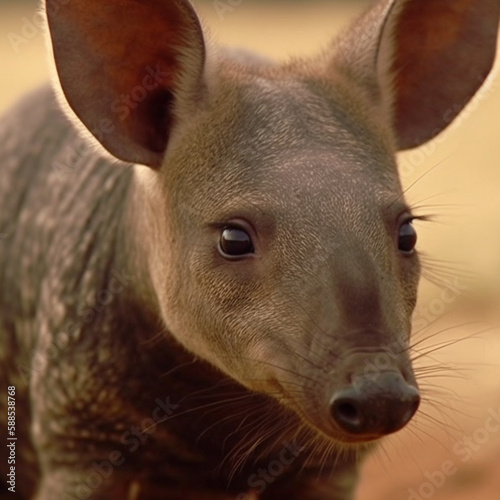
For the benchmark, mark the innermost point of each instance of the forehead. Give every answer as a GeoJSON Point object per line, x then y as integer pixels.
{"type": "Point", "coordinates": [266, 140]}
{"type": "Point", "coordinates": [306, 138]}
{"type": "Point", "coordinates": [296, 115]}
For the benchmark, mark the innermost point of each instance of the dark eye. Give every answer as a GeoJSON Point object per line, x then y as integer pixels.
{"type": "Point", "coordinates": [235, 242]}
{"type": "Point", "coordinates": [407, 238]}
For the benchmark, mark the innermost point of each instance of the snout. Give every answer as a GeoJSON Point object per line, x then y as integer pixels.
{"type": "Point", "coordinates": [374, 406]}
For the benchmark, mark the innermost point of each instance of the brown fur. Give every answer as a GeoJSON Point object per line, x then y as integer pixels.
{"type": "Point", "coordinates": [258, 355]}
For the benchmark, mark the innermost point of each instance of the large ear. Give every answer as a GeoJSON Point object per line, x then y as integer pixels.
{"type": "Point", "coordinates": [424, 59]}
{"type": "Point", "coordinates": [126, 67]}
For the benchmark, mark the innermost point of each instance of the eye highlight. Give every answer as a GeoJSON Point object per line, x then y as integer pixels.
{"type": "Point", "coordinates": [235, 242]}
{"type": "Point", "coordinates": [407, 239]}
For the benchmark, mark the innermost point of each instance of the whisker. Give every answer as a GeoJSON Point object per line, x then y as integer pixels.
{"type": "Point", "coordinates": [414, 183]}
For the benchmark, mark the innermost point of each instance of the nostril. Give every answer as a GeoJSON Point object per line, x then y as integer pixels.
{"type": "Point", "coordinates": [376, 407]}
{"type": "Point", "coordinates": [348, 411]}
{"type": "Point", "coordinates": [347, 414]}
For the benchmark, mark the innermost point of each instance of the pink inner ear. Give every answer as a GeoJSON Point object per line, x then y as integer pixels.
{"type": "Point", "coordinates": [444, 51]}
{"type": "Point", "coordinates": [120, 62]}
{"type": "Point", "coordinates": [132, 38]}
{"type": "Point", "coordinates": [426, 32]}
{"type": "Point", "coordinates": [153, 121]}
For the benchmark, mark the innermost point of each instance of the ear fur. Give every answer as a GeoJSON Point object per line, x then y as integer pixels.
{"type": "Point", "coordinates": [127, 68]}
{"type": "Point", "coordinates": [422, 59]}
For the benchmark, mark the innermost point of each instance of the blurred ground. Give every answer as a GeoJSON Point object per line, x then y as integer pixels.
{"type": "Point", "coordinates": [452, 450]}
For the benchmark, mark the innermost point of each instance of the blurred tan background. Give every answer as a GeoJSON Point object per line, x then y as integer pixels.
{"type": "Point", "coordinates": [451, 451]}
